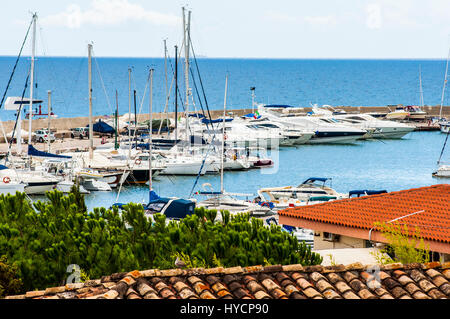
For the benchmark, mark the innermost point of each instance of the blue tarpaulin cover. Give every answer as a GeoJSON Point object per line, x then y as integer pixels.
{"type": "Point", "coordinates": [176, 208]}
{"type": "Point", "coordinates": [34, 152]}
{"type": "Point", "coordinates": [102, 127]}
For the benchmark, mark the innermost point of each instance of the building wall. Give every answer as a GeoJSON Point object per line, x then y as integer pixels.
{"type": "Point", "coordinates": [342, 242]}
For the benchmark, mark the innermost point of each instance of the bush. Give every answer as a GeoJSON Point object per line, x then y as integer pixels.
{"type": "Point", "coordinates": [43, 238]}
{"type": "Point", "coordinates": [9, 283]}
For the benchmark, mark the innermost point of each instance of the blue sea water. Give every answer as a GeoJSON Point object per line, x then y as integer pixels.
{"type": "Point", "coordinates": [380, 164]}
{"type": "Point", "coordinates": [284, 81]}
{"type": "Point", "coordinates": [390, 165]}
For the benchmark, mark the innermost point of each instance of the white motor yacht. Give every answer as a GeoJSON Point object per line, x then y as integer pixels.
{"type": "Point", "coordinates": [226, 201]}
{"type": "Point", "coordinates": [379, 128]}
{"type": "Point", "coordinates": [309, 190]}
{"type": "Point", "coordinates": [324, 132]}
{"type": "Point", "coordinates": [95, 185]}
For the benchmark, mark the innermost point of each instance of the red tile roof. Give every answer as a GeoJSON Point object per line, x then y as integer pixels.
{"type": "Point", "coordinates": [355, 281]}
{"type": "Point", "coordinates": [363, 212]}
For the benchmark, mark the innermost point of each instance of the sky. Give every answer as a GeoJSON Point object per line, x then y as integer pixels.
{"type": "Point", "coordinates": [322, 29]}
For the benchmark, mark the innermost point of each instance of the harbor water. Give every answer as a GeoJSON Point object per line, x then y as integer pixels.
{"type": "Point", "coordinates": [390, 165]}
{"type": "Point", "coordinates": [375, 164]}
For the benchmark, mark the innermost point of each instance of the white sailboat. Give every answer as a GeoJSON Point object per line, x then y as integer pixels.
{"type": "Point", "coordinates": [226, 201]}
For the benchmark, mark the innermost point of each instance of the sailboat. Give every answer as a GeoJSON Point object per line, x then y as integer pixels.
{"type": "Point", "coordinates": [443, 169]}
{"type": "Point", "coordinates": [223, 200]}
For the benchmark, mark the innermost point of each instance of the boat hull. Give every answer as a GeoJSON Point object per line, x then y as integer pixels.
{"type": "Point", "coordinates": [39, 188]}
{"type": "Point", "coordinates": [11, 188]}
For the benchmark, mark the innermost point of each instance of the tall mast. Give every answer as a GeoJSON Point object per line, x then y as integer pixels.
{"type": "Point", "coordinates": [150, 135]}
{"type": "Point", "coordinates": [116, 124]}
{"type": "Point", "coordinates": [176, 93]}
{"type": "Point", "coordinates": [167, 88]}
{"type": "Point", "coordinates": [186, 28]}
{"type": "Point", "coordinates": [49, 114]}
{"type": "Point", "coordinates": [420, 85]}
{"type": "Point", "coordinates": [33, 53]}
{"type": "Point", "coordinates": [129, 112]}
{"type": "Point", "coordinates": [223, 135]}
{"type": "Point", "coordinates": [91, 130]}
{"type": "Point", "coordinates": [445, 83]}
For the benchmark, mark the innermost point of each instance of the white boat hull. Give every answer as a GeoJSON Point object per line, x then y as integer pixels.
{"type": "Point", "coordinates": [39, 188]}
{"type": "Point", "coordinates": [442, 171]}
{"type": "Point", "coordinates": [11, 188]}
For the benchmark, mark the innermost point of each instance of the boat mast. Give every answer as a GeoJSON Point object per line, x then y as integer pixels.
{"type": "Point", "coordinates": [150, 135]}
{"type": "Point", "coordinates": [445, 83]}
{"type": "Point", "coordinates": [420, 85]}
{"type": "Point", "coordinates": [186, 29]}
{"type": "Point", "coordinates": [129, 113]}
{"type": "Point", "coordinates": [33, 53]}
{"type": "Point", "coordinates": [223, 135]}
{"type": "Point", "coordinates": [49, 112]}
{"type": "Point", "coordinates": [91, 131]}
{"type": "Point", "coordinates": [176, 94]}
{"type": "Point", "coordinates": [116, 124]}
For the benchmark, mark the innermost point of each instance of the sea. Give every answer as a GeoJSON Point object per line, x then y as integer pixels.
{"type": "Point", "coordinates": [374, 164]}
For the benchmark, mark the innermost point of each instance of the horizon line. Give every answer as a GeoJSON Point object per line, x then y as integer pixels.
{"type": "Point", "coordinates": [230, 58]}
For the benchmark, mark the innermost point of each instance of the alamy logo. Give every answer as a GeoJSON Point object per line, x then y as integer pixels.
{"type": "Point", "coordinates": [374, 282]}
{"type": "Point", "coordinates": [75, 274]}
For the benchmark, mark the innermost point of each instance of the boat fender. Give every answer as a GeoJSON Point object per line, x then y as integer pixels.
{"type": "Point", "coordinates": [6, 179]}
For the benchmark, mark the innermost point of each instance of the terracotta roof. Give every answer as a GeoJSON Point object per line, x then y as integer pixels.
{"type": "Point", "coordinates": [363, 212]}
{"type": "Point", "coordinates": [355, 281]}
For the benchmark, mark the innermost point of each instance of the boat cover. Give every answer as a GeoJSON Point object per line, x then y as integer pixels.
{"type": "Point", "coordinates": [206, 121]}
{"type": "Point", "coordinates": [365, 192]}
{"type": "Point", "coordinates": [278, 106]}
{"type": "Point", "coordinates": [102, 127]}
{"type": "Point", "coordinates": [34, 152]}
{"type": "Point", "coordinates": [172, 208]}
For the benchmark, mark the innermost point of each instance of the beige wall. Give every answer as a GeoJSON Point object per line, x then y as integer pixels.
{"type": "Point", "coordinates": [342, 242]}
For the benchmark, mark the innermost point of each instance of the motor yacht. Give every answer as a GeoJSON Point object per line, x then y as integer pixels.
{"type": "Point", "coordinates": [312, 189]}
{"type": "Point", "coordinates": [379, 128]}
{"type": "Point", "coordinates": [324, 132]}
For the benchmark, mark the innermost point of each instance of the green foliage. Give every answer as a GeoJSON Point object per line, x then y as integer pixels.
{"type": "Point", "coordinates": [43, 238]}
{"type": "Point", "coordinates": [9, 283]}
{"type": "Point", "coordinates": [404, 247]}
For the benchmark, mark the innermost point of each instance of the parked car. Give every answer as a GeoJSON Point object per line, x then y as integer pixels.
{"type": "Point", "coordinates": [79, 132]}
{"type": "Point", "coordinates": [43, 136]}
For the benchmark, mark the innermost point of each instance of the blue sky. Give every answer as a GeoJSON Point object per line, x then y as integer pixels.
{"type": "Point", "coordinates": [232, 28]}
